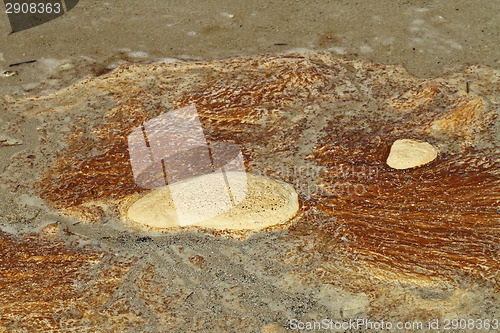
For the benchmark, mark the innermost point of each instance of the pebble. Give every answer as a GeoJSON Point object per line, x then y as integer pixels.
{"type": "Point", "coordinates": [408, 153]}
{"type": "Point", "coordinates": [9, 73]}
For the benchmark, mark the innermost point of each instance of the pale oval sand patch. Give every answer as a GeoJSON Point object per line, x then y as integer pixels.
{"type": "Point", "coordinates": [267, 202]}
{"type": "Point", "coordinates": [408, 153]}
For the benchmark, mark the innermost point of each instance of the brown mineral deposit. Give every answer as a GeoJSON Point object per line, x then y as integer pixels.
{"type": "Point", "coordinates": [307, 120]}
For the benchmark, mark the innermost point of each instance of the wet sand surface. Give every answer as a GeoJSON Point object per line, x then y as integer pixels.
{"type": "Point", "coordinates": [428, 39]}
{"type": "Point", "coordinates": [120, 279]}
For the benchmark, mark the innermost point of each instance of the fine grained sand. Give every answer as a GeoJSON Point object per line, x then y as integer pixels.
{"type": "Point", "coordinates": [262, 202]}
{"type": "Point", "coordinates": [195, 282]}
{"type": "Point", "coordinates": [429, 39]}
{"type": "Point", "coordinates": [366, 235]}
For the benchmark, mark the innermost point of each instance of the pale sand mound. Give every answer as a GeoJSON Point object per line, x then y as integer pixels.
{"type": "Point", "coordinates": [252, 202]}
{"type": "Point", "coordinates": [407, 153]}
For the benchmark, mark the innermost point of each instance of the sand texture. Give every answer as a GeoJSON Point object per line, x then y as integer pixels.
{"type": "Point", "coordinates": [365, 237]}
{"type": "Point", "coordinates": [264, 202]}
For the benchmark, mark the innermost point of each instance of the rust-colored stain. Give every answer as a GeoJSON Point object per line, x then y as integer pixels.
{"type": "Point", "coordinates": [324, 125]}
{"type": "Point", "coordinates": [46, 284]}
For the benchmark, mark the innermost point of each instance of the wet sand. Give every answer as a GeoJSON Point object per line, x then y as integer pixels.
{"type": "Point", "coordinates": [429, 39]}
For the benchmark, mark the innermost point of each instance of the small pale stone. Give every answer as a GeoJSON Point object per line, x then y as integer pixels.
{"type": "Point", "coordinates": [9, 73]}
{"type": "Point", "coordinates": [408, 153]}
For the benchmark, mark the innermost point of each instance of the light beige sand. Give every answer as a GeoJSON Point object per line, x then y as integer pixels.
{"type": "Point", "coordinates": [252, 202]}
{"type": "Point", "coordinates": [407, 153]}
{"type": "Point", "coordinates": [191, 282]}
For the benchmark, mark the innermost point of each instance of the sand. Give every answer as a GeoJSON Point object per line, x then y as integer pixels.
{"type": "Point", "coordinates": [355, 248]}
{"type": "Point", "coordinates": [249, 202]}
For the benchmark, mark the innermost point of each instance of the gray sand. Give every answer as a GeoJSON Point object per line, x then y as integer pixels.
{"type": "Point", "coordinates": [430, 39]}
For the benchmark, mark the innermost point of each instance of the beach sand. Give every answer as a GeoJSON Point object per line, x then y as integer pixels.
{"type": "Point", "coordinates": [81, 272]}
